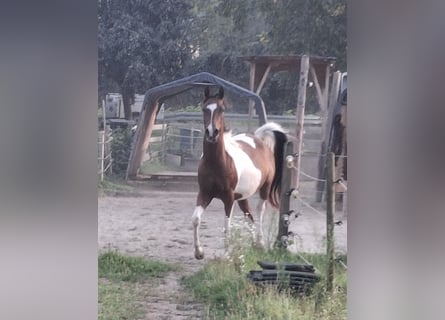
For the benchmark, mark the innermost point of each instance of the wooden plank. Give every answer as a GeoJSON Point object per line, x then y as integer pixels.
{"type": "Point", "coordinates": [155, 139]}
{"type": "Point", "coordinates": [176, 174]}
{"type": "Point", "coordinates": [159, 127]}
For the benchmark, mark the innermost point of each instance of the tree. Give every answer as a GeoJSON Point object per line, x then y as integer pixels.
{"type": "Point", "coordinates": [141, 44]}
{"type": "Point", "coordinates": [226, 30]}
{"type": "Point", "coordinates": [316, 27]}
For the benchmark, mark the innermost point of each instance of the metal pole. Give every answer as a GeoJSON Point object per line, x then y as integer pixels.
{"type": "Point", "coordinates": [103, 143]}
{"type": "Point", "coordinates": [326, 131]}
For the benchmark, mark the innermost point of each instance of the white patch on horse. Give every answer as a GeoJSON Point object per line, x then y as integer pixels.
{"type": "Point", "coordinates": [249, 177]}
{"type": "Point", "coordinates": [196, 221]}
{"type": "Point", "coordinates": [245, 138]}
{"type": "Point", "coordinates": [197, 215]}
{"type": "Point", "coordinates": [212, 107]}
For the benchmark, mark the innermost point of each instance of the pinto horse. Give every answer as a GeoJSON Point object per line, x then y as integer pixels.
{"type": "Point", "coordinates": [233, 168]}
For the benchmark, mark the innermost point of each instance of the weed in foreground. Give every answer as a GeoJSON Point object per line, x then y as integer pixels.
{"type": "Point", "coordinates": [223, 285]}
{"type": "Point", "coordinates": [114, 266]}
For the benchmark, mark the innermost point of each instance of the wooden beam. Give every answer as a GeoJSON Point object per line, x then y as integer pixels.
{"type": "Point", "coordinates": [326, 86]}
{"type": "Point", "coordinates": [252, 88]}
{"type": "Point", "coordinates": [143, 134]}
{"type": "Point", "coordinates": [263, 80]}
{"type": "Point", "coordinates": [317, 86]}
{"type": "Point", "coordinates": [301, 103]}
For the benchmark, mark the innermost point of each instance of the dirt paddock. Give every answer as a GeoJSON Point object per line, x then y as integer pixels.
{"type": "Point", "coordinates": [157, 225]}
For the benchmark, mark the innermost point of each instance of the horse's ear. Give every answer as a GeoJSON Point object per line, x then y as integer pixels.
{"type": "Point", "coordinates": [206, 93]}
{"type": "Point", "coordinates": [221, 93]}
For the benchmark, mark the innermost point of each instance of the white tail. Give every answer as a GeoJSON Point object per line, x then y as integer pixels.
{"type": "Point", "coordinates": [266, 133]}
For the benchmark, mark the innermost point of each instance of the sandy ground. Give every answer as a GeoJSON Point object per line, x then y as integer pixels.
{"type": "Point", "coordinates": [157, 224]}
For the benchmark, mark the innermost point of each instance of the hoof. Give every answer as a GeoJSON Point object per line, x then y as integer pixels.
{"type": "Point", "coordinates": [260, 243]}
{"type": "Point", "coordinates": [199, 253]}
{"type": "Point", "coordinates": [249, 217]}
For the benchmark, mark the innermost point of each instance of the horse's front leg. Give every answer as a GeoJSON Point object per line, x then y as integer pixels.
{"type": "Point", "coordinates": [201, 205]}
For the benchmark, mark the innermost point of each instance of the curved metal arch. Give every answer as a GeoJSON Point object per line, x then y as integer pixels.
{"type": "Point", "coordinates": [151, 104]}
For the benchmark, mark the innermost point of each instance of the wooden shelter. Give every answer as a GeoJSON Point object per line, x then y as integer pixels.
{"type": "Point", "coordinates": [314, 69]}
{"type": "Point", "coordinates": [319, 72]}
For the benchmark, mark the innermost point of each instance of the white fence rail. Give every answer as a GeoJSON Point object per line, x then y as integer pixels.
{"type": "Point", "coordinates": [105, 160]}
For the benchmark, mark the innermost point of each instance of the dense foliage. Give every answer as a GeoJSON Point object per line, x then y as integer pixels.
{"type": "Point", "coordinates": [146, 43]}
{"type": "Point", "coordinates": [120, 149]}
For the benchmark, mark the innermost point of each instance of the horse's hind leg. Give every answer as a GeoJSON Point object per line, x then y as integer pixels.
{"type": "Point", "coordinates": [201, 205]}
{"type": "Point", "coordinates": [261, 208]}
{"type": "Point", "coordinates": [228, 208]}
{"type": "Point", "coordinates": [244, 206]}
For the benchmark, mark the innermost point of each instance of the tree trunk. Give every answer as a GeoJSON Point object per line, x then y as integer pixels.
{"type": "Point", "coordinates": [127, 106]}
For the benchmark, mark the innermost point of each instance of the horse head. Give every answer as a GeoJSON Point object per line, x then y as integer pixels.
{"type": "Point", "coordinates": [213, 108]}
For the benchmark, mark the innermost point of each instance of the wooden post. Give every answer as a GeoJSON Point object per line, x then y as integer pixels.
{"type": "Point", "coordinates": [301, 103]}
{"type": "Point", "coordinates": [283, 223]}
{"type": "Point", "coordinates": [252, 88]}
{"type": "Point", "coordinates": [330, 210]}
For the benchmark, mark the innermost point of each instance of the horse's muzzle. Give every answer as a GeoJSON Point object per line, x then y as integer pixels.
{"type": "Point", "coordinates": [212, 138]}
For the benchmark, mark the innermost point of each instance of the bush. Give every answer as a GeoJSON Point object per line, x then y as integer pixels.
{"type": "Point", "coordinates": [120, 150]}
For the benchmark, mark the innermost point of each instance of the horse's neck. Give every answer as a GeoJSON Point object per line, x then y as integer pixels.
{"type": "Point", "coordinates": [215, 152]}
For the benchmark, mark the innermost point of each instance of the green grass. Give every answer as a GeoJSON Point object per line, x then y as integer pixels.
{"type": "Point", "coordinates": [155, 166]}
{"type": "Point", "coordinates": [224, 287]}
{"type": "Point", "coordinates": [119, 284]}
{"type": "Point", "coordinates": [114, 266]}
{"type": "Point", "coordinates": [117, 301]}
{"type": "Point", "coordinates": [114, 185]}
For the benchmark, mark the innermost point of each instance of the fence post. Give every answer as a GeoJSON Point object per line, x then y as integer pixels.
{"type": "Point", "coordinates": [283, 223]}
{"type": "Point", "coordinates": [301, 103]}
{"type": "Point", "coordinates": [330, 209]}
